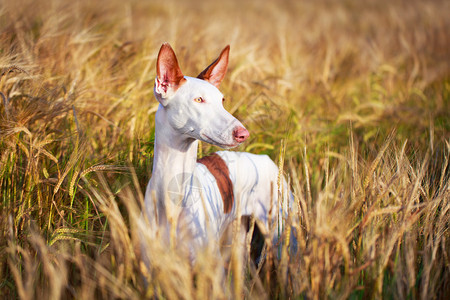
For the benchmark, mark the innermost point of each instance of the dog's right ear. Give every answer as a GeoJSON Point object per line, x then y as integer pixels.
{"type": "Point", "coordinates": [169, 76]}
{"type": "Point", "coordinates": [215, 72]}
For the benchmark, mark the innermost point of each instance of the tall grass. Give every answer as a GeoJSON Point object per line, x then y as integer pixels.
{"type": "Point", "coordinates": [355, 94]}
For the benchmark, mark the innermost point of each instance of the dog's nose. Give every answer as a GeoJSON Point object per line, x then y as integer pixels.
{"type": "Point", "coordinates": [240, 134]}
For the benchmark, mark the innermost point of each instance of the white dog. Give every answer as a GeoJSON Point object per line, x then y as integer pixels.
{"type": "Point", "coordinates": [204, 196]}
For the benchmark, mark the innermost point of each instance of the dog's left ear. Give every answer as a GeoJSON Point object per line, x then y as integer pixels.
{"type": "Point", "coordinates": [169, 76]}
{"type": "Point", "coordinates": [215, 72]}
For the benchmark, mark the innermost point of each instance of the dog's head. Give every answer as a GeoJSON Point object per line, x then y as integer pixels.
{"type": "Point", "coordinates": [194, 106]}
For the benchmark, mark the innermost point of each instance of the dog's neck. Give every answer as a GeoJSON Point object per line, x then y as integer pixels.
{"type": "Point", "coordinates": [175, 158]}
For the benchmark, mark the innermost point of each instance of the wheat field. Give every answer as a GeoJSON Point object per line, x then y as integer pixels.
{"type": "Point", "coordinates": [350, 98]}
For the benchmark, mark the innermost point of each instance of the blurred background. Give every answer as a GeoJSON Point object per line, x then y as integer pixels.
{"type": "Point", "coordinates": [351, 98]}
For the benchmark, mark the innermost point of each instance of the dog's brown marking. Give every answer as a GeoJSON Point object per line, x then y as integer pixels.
{"type": "Point", "coordinates": [215, 164]}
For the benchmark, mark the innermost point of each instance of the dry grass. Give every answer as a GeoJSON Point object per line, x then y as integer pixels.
{"type": "Point", "coordinates": [355, 94]}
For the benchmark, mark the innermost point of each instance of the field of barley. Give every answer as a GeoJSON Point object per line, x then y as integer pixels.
{"type": "Point", "coordinates": [350, 98]}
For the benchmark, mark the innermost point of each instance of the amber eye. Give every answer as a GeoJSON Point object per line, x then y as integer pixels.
{"type": "Point", "coordinates": [199, 100]}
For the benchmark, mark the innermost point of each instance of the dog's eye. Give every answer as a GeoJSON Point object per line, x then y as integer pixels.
{"type": "Point", "coordinates": [223, 99]}
{"type": "Point", "coordinates": [199, 100]}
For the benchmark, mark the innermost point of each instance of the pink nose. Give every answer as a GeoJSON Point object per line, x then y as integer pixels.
{"type": "Point", "coordinates": [240, 134]}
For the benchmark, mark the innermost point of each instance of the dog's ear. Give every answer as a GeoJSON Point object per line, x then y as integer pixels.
{"type": "Point", "coordinates": [169, 76]}
{"type": "Point", "coordinates": [215, 72]}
